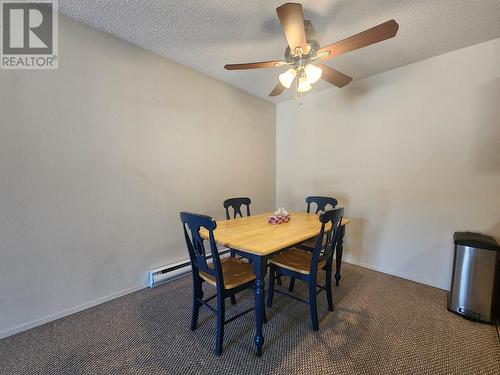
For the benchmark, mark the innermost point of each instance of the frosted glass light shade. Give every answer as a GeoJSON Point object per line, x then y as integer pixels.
{"type": "Point", "coordinates": [287, 78]}
{"type": "Point", "coordinates": [304, 85]}
{"type": "Point", "coordinates": [313, 73]}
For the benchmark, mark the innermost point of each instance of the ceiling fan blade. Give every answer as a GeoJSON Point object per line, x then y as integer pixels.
{"type": "Point", "coordinates": [291, 18]}
{"type": "Point", "coordinates": [376, 34]}
{"type": "Point", "coordinates": [333, 76]}
{"type": "Point", "coordinates": [277, 90]}
{"type": "Point", "coordinates": [255, 65]}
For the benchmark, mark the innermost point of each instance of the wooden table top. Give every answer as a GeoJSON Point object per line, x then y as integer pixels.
{"type": "Point", "coordinates": [254, 235]}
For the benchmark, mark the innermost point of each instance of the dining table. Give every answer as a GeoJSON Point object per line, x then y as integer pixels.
{"type": "Point", "coordinates": [252, 237]}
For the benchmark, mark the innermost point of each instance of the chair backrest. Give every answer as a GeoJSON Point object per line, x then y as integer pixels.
{"type": "Point", "coordinates": [192, 223]}
{"type": "Point", "coordinates": [328, 238]}
{"type": "Point", "coordinates": [321, 203]}
{"type": "Point", "coordinates": [235, 204]}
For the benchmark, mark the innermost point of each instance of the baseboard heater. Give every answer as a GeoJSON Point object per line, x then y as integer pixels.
{"type": "Point", "coordinates": [162, 274]}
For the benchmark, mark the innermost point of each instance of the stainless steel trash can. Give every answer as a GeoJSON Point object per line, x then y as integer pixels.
{"type": "Point", "coordinates": [473, 282]}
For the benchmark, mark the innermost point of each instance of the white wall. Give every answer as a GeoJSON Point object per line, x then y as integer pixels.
{"type": "Point", "coordinates": [413, 153]}
{"type": "Point", "coordinates": [98, 158]}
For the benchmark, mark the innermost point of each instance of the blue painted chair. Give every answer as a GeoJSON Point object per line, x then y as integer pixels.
{"type": "Point", "coordinates": [235, 204]}
{"type": "Point", "coordinates": [322, 204]}
{"type": "Point", "coordinates": [305, 265]}
{"type": "Point", "coordinates": [229, 275]}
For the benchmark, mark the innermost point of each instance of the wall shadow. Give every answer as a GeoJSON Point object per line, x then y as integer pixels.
{"type": "Point", "coordinates": [486, 149]}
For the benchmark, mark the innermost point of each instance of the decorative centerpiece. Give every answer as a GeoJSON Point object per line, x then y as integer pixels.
{"type": "Point", "coordinates": [279, 217]}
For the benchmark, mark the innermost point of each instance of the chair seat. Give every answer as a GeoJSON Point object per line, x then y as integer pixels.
{"type": "Point", "coordinates": [234, 271]}
{"type": "Point", "coordinates": [296, 260]}
{"type": "Point", "coordinates": [311, 242]}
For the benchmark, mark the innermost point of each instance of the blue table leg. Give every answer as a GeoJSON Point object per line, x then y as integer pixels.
{"type": "Point", "coordinates": [259, 269]}
{"type": "Point", "coordinates": [338, 255]}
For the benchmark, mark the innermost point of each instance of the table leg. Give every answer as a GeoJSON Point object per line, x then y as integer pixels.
{"type": "Point", "coordinates": [338, 255]}
{"type": "Point", "coordinates": [259, 269]}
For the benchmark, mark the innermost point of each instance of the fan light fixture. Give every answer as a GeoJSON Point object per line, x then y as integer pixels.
{"type": "Point", "coordinates": [303, 84]}
{"type": "Point", "coordinates": [313, 73]}
{"type": "Point", "coordinates": [307, 76]}
{"type": "Point", "coordinates": [287, 78]}
{"type": "Point", "coordinates": [303, 51]}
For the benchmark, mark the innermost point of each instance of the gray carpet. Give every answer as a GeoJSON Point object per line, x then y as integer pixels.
{"type": "Point", "coordinates": [381, 325]}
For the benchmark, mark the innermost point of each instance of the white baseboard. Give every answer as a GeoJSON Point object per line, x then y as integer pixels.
{"type": "Point", "coordinates": [389, 272]}
{"type": "Point", "coordinates": [72, 310]}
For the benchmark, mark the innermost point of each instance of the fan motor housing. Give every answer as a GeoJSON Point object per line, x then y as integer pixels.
{"type": "Point", "coordinates": [312, 49]}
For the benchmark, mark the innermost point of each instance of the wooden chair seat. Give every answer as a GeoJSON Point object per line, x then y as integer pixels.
{"type": "Point", "coordinates": [311, 242]}
{"type": "Point", "coordinates": [235, 272]}
{"type": "Point", "coordinates": [305, 265]}
{"type": "Point", "coordinates": [233, 275]}
{"type": "Point", "coordinates": [296, 260]}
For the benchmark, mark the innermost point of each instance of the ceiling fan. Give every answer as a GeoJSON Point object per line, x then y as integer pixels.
{"type": "Point", "coordinates": [304, 53]}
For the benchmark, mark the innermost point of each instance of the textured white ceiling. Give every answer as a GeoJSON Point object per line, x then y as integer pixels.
{"type": "Point", "coordinates": [206, 34]}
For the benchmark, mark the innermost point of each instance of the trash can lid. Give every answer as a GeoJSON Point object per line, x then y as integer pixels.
{"type": "Point", "coordinates": [476, 240]}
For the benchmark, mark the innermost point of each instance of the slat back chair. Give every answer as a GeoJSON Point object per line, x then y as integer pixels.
{"type": "Point", "coordinates": [327, 239]}
{"type": "Point", "coordinates": [196, 245]}
{"type": "Point", "coordinates": [303, 265]}
{"type": "Point", "coordinates": [229, 275]}
{"type": "Point", "coordinates": [321, 203]}
{"type": "Point", "coordinates": [235, 204]}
